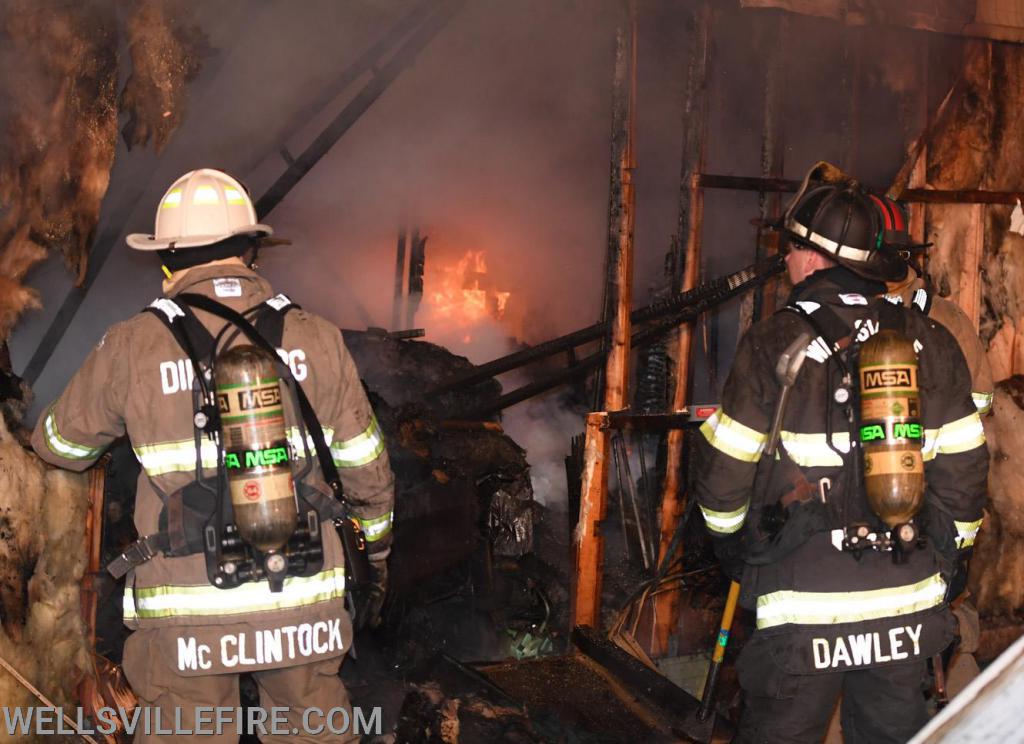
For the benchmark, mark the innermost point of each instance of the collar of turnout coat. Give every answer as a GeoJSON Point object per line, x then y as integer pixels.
{"type": "Point", "coordinates": [252, 284]}
{"type": "Point", "coordinates": [831, 281]}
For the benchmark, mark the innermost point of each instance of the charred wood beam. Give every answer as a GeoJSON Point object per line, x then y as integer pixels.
{"type": "Point", "coordinates": [679, 707]}
{"type": "Point", "coordinates": [919, 196]}
{"type": "Point", "coordinates": [383, 76]}
{"type": "Point", "coordinates": [639, 339]}
{"type": "Point", "coordinates": [707, 294]}
{"type": "Point", "coordinates": [368, 61]}
{"type": "Point", "coordinates": [654, 421]}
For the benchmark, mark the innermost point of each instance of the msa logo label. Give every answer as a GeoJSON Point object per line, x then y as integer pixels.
{"type": "Point", "coordinates": [250, 400]}
{"type": "Point", "coordinates": [263, 397]}
{"type": "Point", "coordinates": [900, 430]}
{"type": "Point", "coordinates": [256, 458]}
{"type": "Point", "coordinates": [178, 375]}
{"type": "Point", "coordinates": [873, 379]}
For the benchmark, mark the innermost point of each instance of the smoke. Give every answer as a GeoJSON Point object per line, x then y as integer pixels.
{"type": "Point", "coordinates": [543, 426]}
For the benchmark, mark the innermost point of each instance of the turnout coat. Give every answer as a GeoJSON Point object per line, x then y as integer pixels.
{"type": "Point", "coordinates": [819, 608]}
{"type": "Point", "coordinates": [138, 381]}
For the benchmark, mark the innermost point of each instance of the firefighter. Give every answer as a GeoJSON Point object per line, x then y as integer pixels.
{"type": "Point", "coordinates": [915, 290]}
{"type": "Point", "coordinates": [849, 600]}
{"type": "Point", "coordinates": [192, 639]}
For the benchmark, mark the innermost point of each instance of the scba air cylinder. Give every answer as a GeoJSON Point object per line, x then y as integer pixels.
{"type": "Point", "coordinates": [891, 433]}
{"type": "Point", "coordinates": [256, 447]}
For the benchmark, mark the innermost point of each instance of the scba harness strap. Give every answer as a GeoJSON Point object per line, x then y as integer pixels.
{"type": "Point", "coordinates": [189, 523]}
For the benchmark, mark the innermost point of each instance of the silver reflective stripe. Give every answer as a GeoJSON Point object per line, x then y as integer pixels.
{"type": "Point", "coordinates": [360, 449]}
{"type": "Point", "coordinates": [725, 523]}
{"type": "Point", "coordinates": [376, 528]}
{"type": "Point", "coordinates": [813, 451]}
{"type": "Point", "coordinates": [206, 599]}
{"type": "Point", "coordinates": [982, 401]}
{"type": "Point", "coordinates": [63, 447]}
{"type": "Point", "coordinates": [967, 532]}
{"type": "Point", "coordinates": [833, 608]}
{"type": "Point", "coordinates": [733, 438]}
{"type": "Point", "coordinates": [175, 457]}
{"type": "Point", "coordinates": [843, 251]}
{"type": "Point", "coordinates": [921, 299]}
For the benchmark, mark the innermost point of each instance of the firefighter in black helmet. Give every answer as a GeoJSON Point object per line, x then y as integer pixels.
{"type": "Point", "coordinates": [847, 602]}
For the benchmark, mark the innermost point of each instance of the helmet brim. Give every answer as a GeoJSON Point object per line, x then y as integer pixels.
{"type": "Point", "coordinates": [143, 242]}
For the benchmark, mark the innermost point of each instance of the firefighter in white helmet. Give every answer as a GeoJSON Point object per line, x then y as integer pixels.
{"type": "Point", "coordinates": [192, 636]}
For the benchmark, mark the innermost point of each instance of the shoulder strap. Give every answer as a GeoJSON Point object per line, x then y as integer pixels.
{"type": "Point", "coordinates": [191, 335]}
{"type": "Point", "coordinates": [309, 417]}
{"type": "Point", "coordinates": [833, 333]}
{"type": "Point", "coordinates": [269, 318]}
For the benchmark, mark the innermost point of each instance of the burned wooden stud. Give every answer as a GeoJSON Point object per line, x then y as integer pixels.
{"type": "Point", "coordinates": [399, 297]}
{"type": "Point", "coordinates": [593, 506]}
{"type": "Point", "coordinates": [691, 210]}
{"type": "Point", "coordinates": [417, 262]}
{"type": "Point", "coordinates": [588, 539]}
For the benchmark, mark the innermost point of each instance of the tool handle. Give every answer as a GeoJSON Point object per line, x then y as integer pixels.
{"type": "Point", "coordinates": [718, 655]}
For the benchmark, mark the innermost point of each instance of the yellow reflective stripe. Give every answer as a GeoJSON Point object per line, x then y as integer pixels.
{"type": "Point", "coordinates": [961, 435]}
{"type": "Point", "coordinates": [813, 451]}
{"type": "Point", "coordinates": [296, 441]}
{"type": "Point", "coordinates": [376, 528]}
{"type": "Point", "coordinates": [966, 532]}
{"type": "Point", "coordinates": [175, 457]}
{"type": "Point", "coordinates": [205, 195]}
{"type": "Point", "coordinates": [725, 523]}
{"type": "Point", "coordinates": [728, 435]}
{"type": "Point", "coordinates": [173, 199]}
{"type": "Point", "coordinates": [360, 449]}
{"type": "Point", "coordinates": [65, 448]}
{"type": "Point", "coordinates": [207, 600]}
{"type": "Point", "coordinates": [833, 608]}
{"type": "Point", "coordinates": [234, 196]}
{"type": "Point", "coordinates": [928, 446]}
{"type": "Point", "coordinates": [982, 401]}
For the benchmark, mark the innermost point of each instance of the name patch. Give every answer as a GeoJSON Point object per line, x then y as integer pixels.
{"type": "Point", "coordinates": [865, 649]}
{"type": "Point", "coordinates": [260, 648]}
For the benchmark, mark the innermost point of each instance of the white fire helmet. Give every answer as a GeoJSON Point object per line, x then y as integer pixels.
{"type": "Point", "coordinates": [201, 208]}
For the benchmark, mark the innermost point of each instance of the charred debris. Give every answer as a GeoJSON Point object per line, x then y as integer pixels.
{"type": "Point", "coordinates": [509, 620]}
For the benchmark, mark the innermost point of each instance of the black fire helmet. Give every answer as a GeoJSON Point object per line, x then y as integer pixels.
{"type": "Point", "coordinates": [840, 221]}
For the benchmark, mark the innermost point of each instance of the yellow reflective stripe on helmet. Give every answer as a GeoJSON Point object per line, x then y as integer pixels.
{"type": "Point", "coordinates": [961, 435]}
{"type": "Point", "coordinates": [360, 449]}
{"type": "Point", "coordinates": [728, 435]}
{"type": "Point", "coordinates": [207, 600]}
{"type": "Point", "coordinates": [813, 450]}
{"type": "Point", "coordinates": [234, 196]}
{"type": "Point", "coordinates": [376, 528]}
{"type": "Point", "coordinates": [833, 608]}
{"type": "Point", "coordinates": [982, 401]}
{"type": "Point", "coordinates": [173, 199]}
{"type": "Point", "coordinates": [63, 447]}
{"type": "Point", "coordinates": [175, 457]}
{"type": "Point", "coordinates": [205, 194]}
{"type": "Point", "coordinates": [725, 523]}
{"type": "Point", "coordinates": [966, 532]}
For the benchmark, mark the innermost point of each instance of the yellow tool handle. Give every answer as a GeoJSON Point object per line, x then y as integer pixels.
{"type": "Point", "coordinates": [723, 634]}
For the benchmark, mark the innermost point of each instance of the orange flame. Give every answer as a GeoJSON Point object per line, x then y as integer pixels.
{"type": "Point", "coordinates": [462, 294]}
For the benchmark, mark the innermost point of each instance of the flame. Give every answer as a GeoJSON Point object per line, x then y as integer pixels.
{"type": "Point", "coordinates": [463, 295]}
